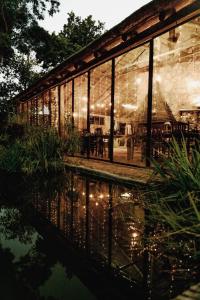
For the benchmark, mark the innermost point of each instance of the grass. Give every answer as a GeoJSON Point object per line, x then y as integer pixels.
{"type": "Point", "coordinates": [176, 200]}
{"type": "Point", "coordinates": [39, 150]}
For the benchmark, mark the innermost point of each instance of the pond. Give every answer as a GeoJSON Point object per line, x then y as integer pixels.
{"type": "Point", "coordinates": [79, 237]}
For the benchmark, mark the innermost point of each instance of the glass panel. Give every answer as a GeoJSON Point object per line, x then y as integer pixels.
{"type": "Point", "coordinates": [34, 111]}
{"type": "Point", "coordinates": [47, 116]}
{"type": "Point", "coordinates": [68, 101]}
{"type": "Point", "coordinates": [40, 110]}
{"type": "Point", "coordinates": [100, 103]}
{"type": "Point", "coordinates": [80, 111]}
{"type": "Point", "coordinates": [80, 102]}
{"type": "Point", "coordinates": [130, 113]}
{"type": "Point", "coordinates": [24, 112]}
{"type": "Point", "coordinates": [29, 111]}
{"type": "Point", "coordinates": [54, 107]}
{"type": "Point", "coordinates": [176, 96]}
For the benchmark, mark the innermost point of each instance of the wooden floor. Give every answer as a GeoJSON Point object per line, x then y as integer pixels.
{"type": "Point", "coordinates": [109, 170]}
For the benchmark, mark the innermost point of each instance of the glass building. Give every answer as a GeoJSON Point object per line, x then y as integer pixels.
{"type": "Point", "coordinates": [129, 92]}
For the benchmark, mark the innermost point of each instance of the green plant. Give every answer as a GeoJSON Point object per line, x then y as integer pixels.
{"type": "Point", "coordinates": [181, 170]}
{"type": "Point", "coordinates": [44, 151]}
{"type": "Point", "coordinates": [176, 200]}
{"type": "Point", "coordinates": [12, 157]}
{"type": "Point", "coordinates": [39, 150]}
{"type": "Point", "coordinates": [72, 140]}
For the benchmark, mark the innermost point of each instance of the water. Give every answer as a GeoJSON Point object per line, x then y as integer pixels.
{"type": "Point", "coordinates": [83, 238]}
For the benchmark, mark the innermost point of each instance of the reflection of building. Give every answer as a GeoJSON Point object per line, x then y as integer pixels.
{"type": "Point", "coordinates": [149, 61]}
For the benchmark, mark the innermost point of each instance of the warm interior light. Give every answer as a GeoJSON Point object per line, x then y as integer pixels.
{"type": "Point", "coordinates": [158, 78]}
{"type": "Point", "coordinates": [46, 110]}
{"type": "Point", "coordinates": [193, 84]}
{"type": "Point", "coordinates": [84, 99]}
{"type": "Point", "coordinates": [126, 195]}
{"type": "Point", "coordinates": [196, 101]}
{"type": "Point", "coordinates": [134, 234]}
{"type": "Point", "coordinates": [138, 80]}
{"type": "Point", "coordinates": [130, 106]}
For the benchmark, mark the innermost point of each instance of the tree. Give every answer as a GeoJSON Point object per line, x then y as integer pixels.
{"type": "Point", "coordinates": [27, 50]}
{"type": "Point", "coordinates": [16, 16]}
{"type": "Point", "coordinates": [76, 34]}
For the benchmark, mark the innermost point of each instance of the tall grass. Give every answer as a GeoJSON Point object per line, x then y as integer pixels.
{"type": "Point", "coordinates": [72, 140]}
{"type": "Point", "coordinates": [176, 200]}
{"type": "Point", "coordinates": [39, 150]}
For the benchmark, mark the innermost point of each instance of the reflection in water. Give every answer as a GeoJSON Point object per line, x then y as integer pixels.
{"type": "Point", "coordinates": [107, 223]}
{"type": "Point", "coordinates": [29, 267]}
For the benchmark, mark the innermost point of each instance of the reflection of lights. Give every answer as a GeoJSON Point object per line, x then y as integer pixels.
{"type": "Point", "coordinates": [84, 109]}
{"type": "Point", "coordinates": [101, 196]}
{"type": "Point", "coordinates": [96, 203]}
{"type": "Point", "coordinates": [91, 195]}
{"type": "Point", "coordinates": [196, 101]}
{"type": "Point", "coordinates": [193, 84]}
{"type": "Point", "coordinates": [130, 106]}
{"type": "Point", "coordinates": [102, 105]}
{"type": "Point", "coordinates": [75, 114]}
{"type": "Point", "coordinates": [92, 106]}
{"type": "Point", "coordinates": [126, 195]}
{"type": "Point", "coordinates": [83, 194]}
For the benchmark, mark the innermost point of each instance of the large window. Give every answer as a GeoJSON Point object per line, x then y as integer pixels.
{"type": "Point", "coordinates": [130, 108]}
{"type": "Point", "coordinates": [54, 107]}
{"type": "Point", "coordinates": [100, 104]}
{"type": "Point", "coordinates": [46, 109]}
{"type": "Point", "coordinates": [80, 102]}
{"type": "Point", "coordinates": [68, 102]}
{"type": "Point", "coordinates": [40, 110]}
{"type": "Point", "coordinates": [176, 90]}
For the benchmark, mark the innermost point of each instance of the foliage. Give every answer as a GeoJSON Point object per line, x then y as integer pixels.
{"type": "Point", "coordinates": [177, 201]}
{"type": "Point", "coordinates": [72, 140]}
{"type": "Point", "coordinates": [18, 16]}
{"type": "Point", "coordinates": [28, 51]}
{"type": "Point", "coordinates": [181, 171]}
{"type": "Point", "coordinates": [76, 34]}
{"type": "Point", "coordinates": [12, 157]}
{"type": "Point", "coordinates": [40, 150]}
{"type": "Point", "coordinates": [44, 151]}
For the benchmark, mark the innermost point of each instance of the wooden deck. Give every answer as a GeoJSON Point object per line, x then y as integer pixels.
{"type": "Point", "coordinates": [107, 170]}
